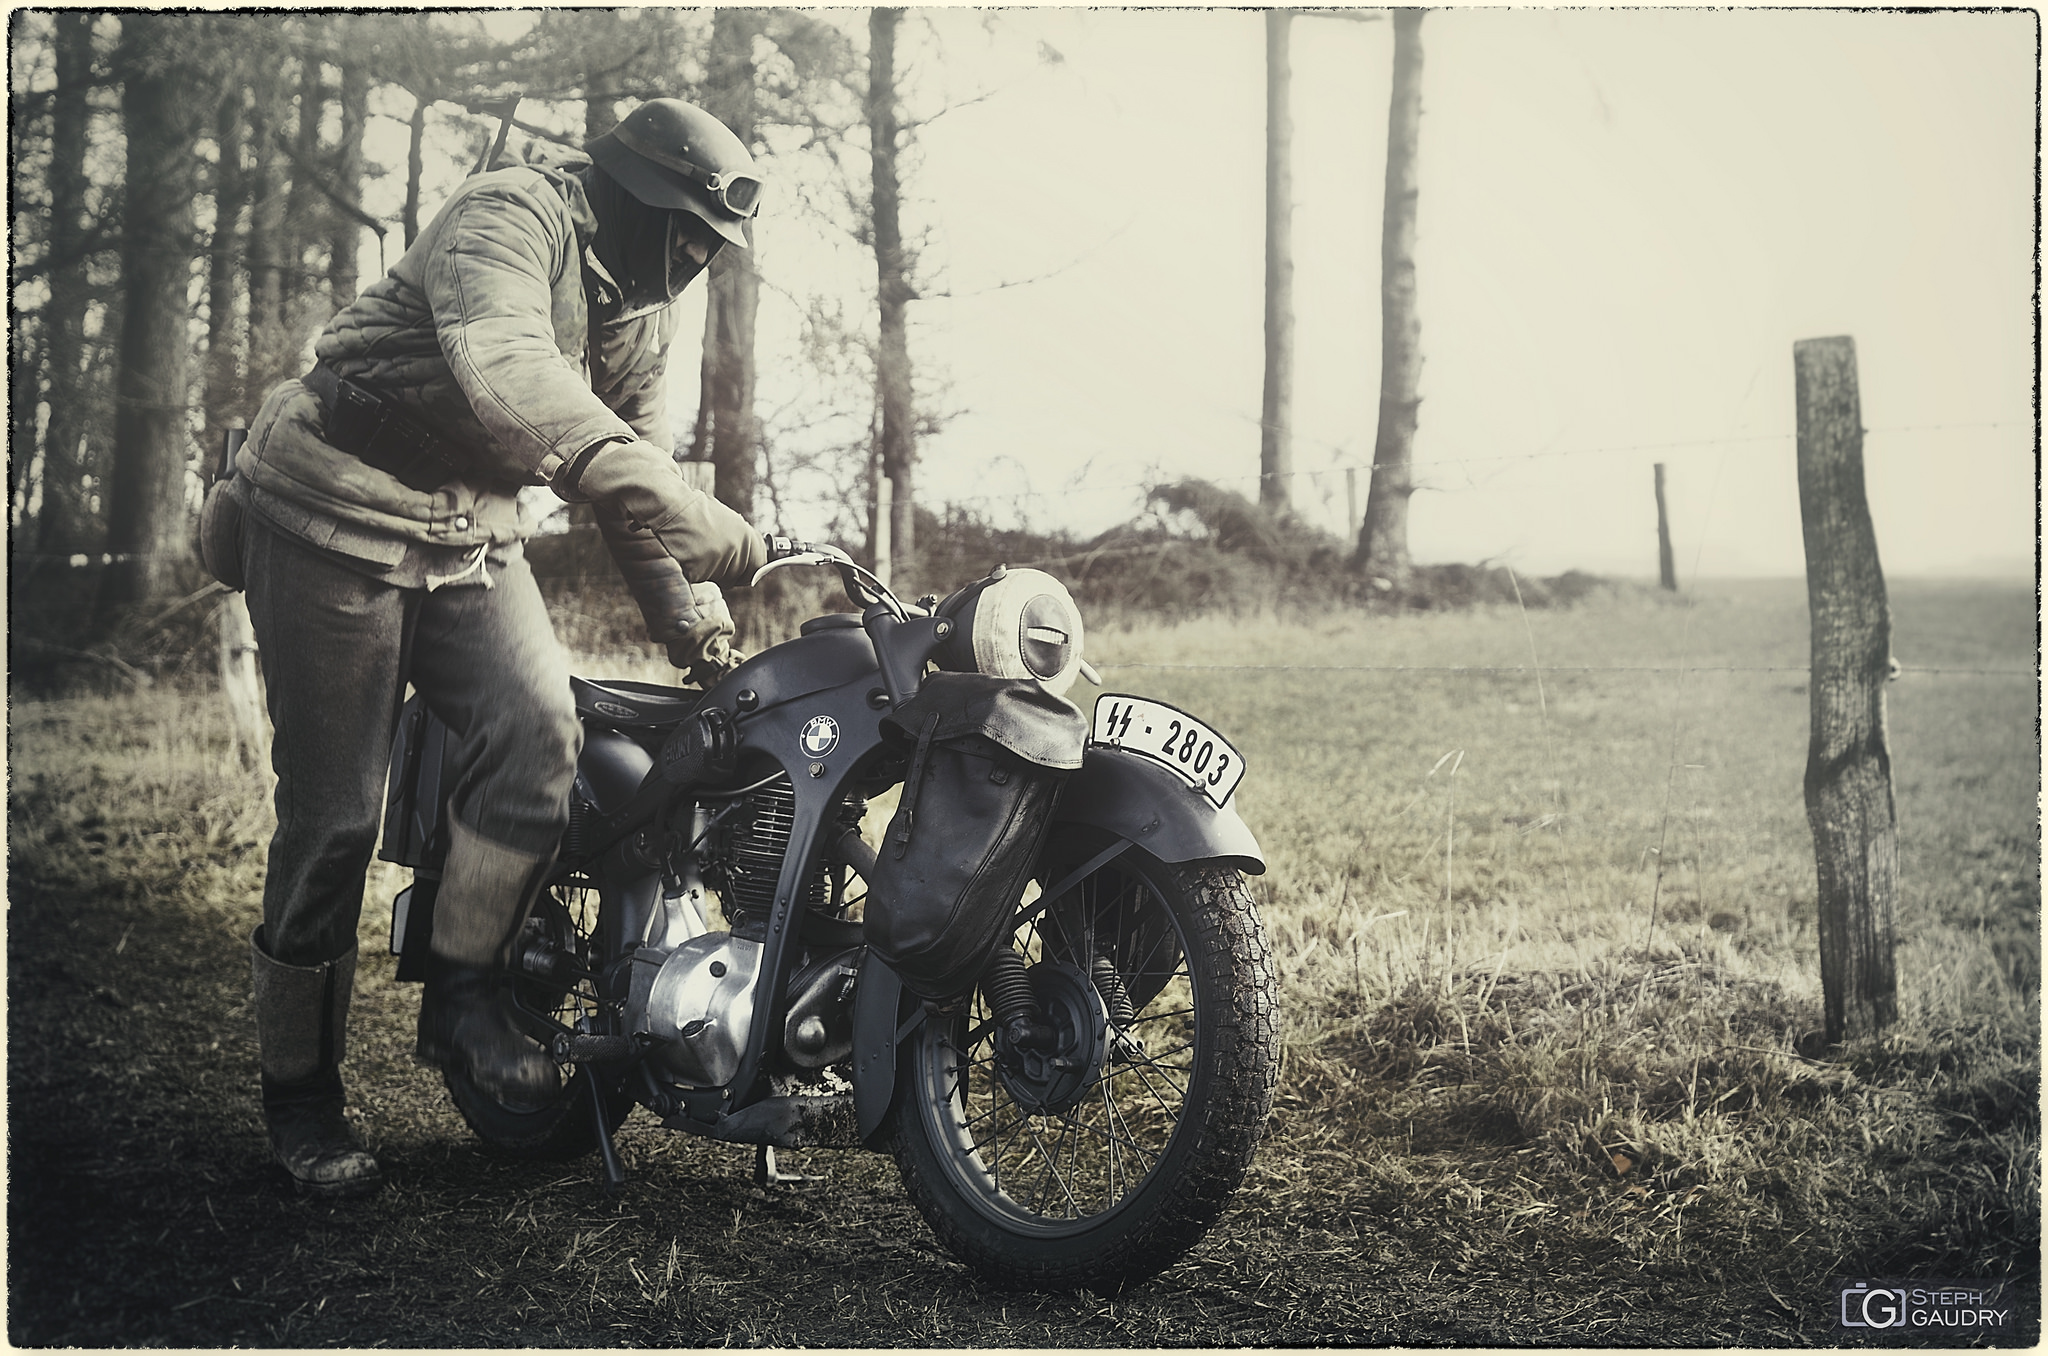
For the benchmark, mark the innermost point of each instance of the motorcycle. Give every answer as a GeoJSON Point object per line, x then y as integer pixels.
{"type": "Point", "coordinates": [699, 947]}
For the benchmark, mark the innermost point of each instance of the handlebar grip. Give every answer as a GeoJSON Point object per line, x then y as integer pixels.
{"type": "Point", "coordinates": [781, 548]}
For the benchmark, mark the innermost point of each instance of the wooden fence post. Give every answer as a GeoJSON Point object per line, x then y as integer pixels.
{"type": "Point", "coordinates": [1849, 803]}
{"type": "Point", "coordinates": [238, 681]}
{"type": "Point", "coordinates": [1667, 570]}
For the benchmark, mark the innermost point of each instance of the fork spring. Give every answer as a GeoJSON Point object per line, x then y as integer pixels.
{"type": "Point", "coordinates": [1007, 988]}
{"type": "Point", "coordinates": [1102, 970]}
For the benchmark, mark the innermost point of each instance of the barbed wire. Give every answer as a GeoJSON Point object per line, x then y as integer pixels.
{"type": "Point", "coordinates": [1493, 669]}
{"type": "Point", "coordinates": [80, 560]}
{"type": "Point", "coordinates": [1255, 477]}
{"type": "Point", "coordinates": [83, 560]}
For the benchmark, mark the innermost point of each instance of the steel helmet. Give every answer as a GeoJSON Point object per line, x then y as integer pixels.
{"type": "Point", "coordinates": [672, 155]}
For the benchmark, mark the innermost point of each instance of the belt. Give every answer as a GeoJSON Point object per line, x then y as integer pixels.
{"type": "Point", "coordinates": [382, 433]}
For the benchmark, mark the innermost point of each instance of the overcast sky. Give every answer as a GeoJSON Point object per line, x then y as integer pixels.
{"type": "Point", "coordinates": [1626, 220]}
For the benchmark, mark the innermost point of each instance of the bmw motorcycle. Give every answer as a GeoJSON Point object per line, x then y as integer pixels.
{"type": "Point", "coordinates": [1078, 1118]}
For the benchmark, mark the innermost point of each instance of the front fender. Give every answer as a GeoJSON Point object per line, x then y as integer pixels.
{"type": "Point", "coordinates": [1132, 798]}
{"type": "Point", "coordinates": [1115, 791]}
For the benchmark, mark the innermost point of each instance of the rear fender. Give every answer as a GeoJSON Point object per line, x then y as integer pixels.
{"type": "Point", "coordinates": [1133, 798]}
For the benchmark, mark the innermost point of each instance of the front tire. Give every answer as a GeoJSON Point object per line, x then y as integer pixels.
{"type": "Point", "coordinates": [1103, 1173]}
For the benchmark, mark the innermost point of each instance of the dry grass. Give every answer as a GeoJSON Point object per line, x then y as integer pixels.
{"type": "Point", "coordinates": [1513, 1109]}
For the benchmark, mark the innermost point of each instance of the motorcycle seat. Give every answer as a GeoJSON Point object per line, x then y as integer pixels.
{"type": "Point", "coordinates": [624, 704]}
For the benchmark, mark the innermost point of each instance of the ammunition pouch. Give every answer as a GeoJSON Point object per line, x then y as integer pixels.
{"type": "Point", "coordinates": [382, 433]}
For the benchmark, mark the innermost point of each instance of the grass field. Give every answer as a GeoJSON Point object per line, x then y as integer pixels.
{"type": "Point", "coordinates": [1541, 892]}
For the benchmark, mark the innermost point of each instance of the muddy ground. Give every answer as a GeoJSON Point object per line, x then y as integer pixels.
{"type": "Point", "coordinates": [143, 1210]}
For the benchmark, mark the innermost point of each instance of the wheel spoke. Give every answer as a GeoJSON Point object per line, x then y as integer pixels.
{"type": "Point", "coordinates": [1140, 1074]}
{"type": "Point", "coordinates": [1160, 1017]}
{"type": "Point", "coordinates": [1042, 1149]}
{"type": "Point", "coordinates": [1110, 1119]}
{"type": "Point", "coordinates": [1110, 1138]}
{"type": "Point", "coordinates": [1052, 1169]}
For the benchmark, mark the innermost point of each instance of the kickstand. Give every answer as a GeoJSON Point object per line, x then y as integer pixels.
{"type": "Point", "coordinates": [767, 1174]}
{"type": "Point", "coordinates": [614, 1172]}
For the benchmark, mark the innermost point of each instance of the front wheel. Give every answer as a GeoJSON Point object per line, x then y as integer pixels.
{"type": "Point", "coordinates": [1098, 1161]}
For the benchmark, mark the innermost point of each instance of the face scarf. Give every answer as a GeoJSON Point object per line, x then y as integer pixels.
{"type": "Point", "coordinates": [642, 247]}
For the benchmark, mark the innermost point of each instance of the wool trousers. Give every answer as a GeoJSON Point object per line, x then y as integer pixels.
{"type": "Point", "coordinates": [338, 646]}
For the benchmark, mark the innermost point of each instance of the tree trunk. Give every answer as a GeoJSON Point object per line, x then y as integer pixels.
{"type": "Point", "coordinates": [302, 217]}
{"type": "Point", "coordinates": [345, 234]}
{"type": "Point", "coordinates": [146, 519]}
{"type": "Point", "coordinates": [415, 165]}
{"type": "Point", "coordinates": [734, 297]}
{"type": "Point", "coordinates": [879, 518]}
{"type": "Point", "coordinates": [26, 352]}
{"type": "Point", "coordinates": [600, 115]}
{"type": "Point", "coordinates": [894, 292]}
{"type": "Point", "coordinates": [223, 398]}
{"type": "Point", "coordinates": [1383, 538]}
{"type": "Point", "coordinates": [734, 301]}
{"type": "Point", "coordinates": [67, 523]}
{"type": "Point", "coordinates": [1849, 803]}
{"type": "Point", "coordinates": [707, 375]}
{"type": "Point", "coordinates": [1276, 411]}
{"type": "Point", "coordinates": [269, 355]}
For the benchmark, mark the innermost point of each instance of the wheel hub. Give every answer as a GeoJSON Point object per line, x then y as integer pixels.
{"type": "Point", "coordinates": [1047, 1080]}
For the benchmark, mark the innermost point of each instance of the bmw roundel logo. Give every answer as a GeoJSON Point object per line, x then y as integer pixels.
{"type": "Point", "coordinates": [820, 736]}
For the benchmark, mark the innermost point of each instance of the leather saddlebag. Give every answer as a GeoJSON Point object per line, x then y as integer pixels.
{"type": "Point", "coordinates": [987, 759]}
{"type": "Point", "coordinates": [220, 533]}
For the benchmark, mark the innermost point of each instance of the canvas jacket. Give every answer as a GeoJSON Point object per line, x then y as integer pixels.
{"type": "Point", "coordinates": [482, 329]}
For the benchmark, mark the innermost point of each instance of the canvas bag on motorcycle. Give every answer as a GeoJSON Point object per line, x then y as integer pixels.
{"type": "Point", "coordinates": [987, 759]}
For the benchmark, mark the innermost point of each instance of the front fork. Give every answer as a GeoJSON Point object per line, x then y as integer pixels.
{"type": "Point", "coordinates": [885, 1014]}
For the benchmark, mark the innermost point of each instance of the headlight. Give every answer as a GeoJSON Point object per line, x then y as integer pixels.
{"type": "Point", "coordinates": [1016, 624]}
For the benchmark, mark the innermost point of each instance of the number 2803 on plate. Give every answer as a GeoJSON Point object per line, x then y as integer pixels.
{"type": "Point", "coordinates": [1172, 738]}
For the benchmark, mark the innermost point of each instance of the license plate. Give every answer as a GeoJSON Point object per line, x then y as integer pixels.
{"type": "Point", "coordinates": [1171, 738]}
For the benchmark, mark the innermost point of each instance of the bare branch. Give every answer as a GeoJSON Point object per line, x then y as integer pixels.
{"type": "Point", "coordinates": [495, 108]}
{"type": "Point", "coordinates": [1071, 264]}
{"type": "Point", "coordinates": [328, 191]}
{"type": "Point", "coordinates": [913, 124]}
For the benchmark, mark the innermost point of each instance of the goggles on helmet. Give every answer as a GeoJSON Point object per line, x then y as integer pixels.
{"type": "Point", "coordinates": [739, 194]}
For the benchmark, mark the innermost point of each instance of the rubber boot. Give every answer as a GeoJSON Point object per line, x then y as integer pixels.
{"type": "Point", "coordinates": [466, 1025]}
{"type": "Point", "coordinates": [301, 1026]}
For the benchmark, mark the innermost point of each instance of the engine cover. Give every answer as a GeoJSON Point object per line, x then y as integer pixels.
{"type": "Point", "coordinates": [699, 1007]}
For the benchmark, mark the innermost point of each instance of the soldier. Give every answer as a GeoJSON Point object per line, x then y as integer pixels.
{"type": "Point", "coordinates": [375, 516]}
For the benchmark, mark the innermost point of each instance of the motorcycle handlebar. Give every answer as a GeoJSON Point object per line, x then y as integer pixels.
{"type": "Point", "coordinates": [785, 548]}
{"type": "Point", "coordinates": [861, 586]}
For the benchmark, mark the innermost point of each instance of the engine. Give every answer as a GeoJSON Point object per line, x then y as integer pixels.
{"type": "Point", "coordinates": [743, 856]}
{"type": "Point", "coordinates": [693, 988]}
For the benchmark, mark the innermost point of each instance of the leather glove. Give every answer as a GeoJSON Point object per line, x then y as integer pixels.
{"type": "Point", "coordinates": [707, 653]}
{"type": "Point", "coordinates": [640, 482]}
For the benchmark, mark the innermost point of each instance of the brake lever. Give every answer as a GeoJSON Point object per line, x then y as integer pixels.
{"type": "Point", "coordinates": [817, 557]}
{"type": "Point", "coordinates": [858, 579]}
